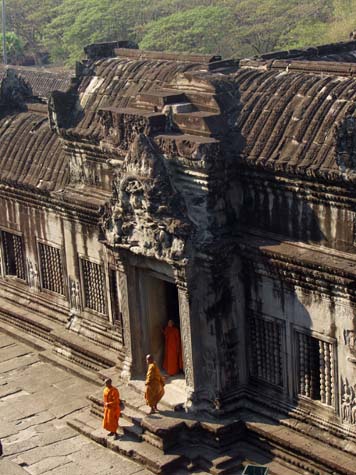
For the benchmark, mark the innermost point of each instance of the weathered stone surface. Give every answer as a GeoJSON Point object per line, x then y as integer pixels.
{"type": "Point", "coordinates": [43, 444]}
{"type": "Point", "coordinates": [219, 194]}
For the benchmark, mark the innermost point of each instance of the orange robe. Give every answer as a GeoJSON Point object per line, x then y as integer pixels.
{"type": "Point", "coordinates": [154, 385]}
{"type": "Point", "coordinates": [112, 411]}
{"type": "Point", "coordinates": [173, 351]}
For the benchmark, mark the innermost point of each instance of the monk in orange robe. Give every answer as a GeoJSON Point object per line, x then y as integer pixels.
{"type": "Point", "coordinates": [111, 398]}
{"type": "Point", "coordinates": [154, 384]}
{"type": "Point", "coordinates": [172, 362]}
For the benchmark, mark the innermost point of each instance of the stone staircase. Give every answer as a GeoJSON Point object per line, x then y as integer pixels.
{"type": "Point", "coordinates": [165, 443]}
{"type": "Point", "coordinates": [173, 442]}
{"type": "Point", "coordinates": [44, 327]}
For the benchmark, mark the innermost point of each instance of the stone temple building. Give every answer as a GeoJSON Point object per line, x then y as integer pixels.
{"type": "Point", "coordinates": [218, 193]}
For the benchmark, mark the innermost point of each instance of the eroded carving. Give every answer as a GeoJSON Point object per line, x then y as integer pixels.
{"type": "Point", "coordinates": [33, 274]}
{"type": "Point", "coordinates": [146, 214]}
{"type": "Point", "coordinates": [74, 295]}
{"type": "Point", "coordinates": [348, 402]}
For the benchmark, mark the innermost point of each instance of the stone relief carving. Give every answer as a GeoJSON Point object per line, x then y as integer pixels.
{"type": "Point", "coordinates": [33, 274]}
{"type": "Point", "coordinates": [146, 214]}
{"type": "Point", "coordinates": [74, 296]}
{"type": "Point", "coordinates": [348, 402]}
{"type": "Point", "coordinates": [83, 171]}
{"type": "Point", "coordinates": [350, 340]}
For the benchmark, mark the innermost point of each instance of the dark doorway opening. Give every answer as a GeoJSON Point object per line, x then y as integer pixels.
{"type": "Point", "coordinates": [172, 303]}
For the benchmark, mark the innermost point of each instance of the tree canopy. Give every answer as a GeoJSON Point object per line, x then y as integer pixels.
{"type": "Point", "coordinates": [236, 28]}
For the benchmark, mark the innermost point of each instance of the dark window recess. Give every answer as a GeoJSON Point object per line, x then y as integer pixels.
{"type": "Point", "coordinates": [115, 304]}
{"type": "Point", "coordinates": [14, 257]}
{"type": "Point", "coordinates": [51, 268]}
{"type": "Point", "coordinates": [266, 350]}
{"type": "Point", "coordinates": [315, 369]}
{"type": "Point", "coordinates": [94, 286]}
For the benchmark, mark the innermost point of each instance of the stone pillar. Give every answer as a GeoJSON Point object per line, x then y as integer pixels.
{"type": "Point", "coordinates": [190, 342]}
{"type": "Point", "coordinates": [125, 311]}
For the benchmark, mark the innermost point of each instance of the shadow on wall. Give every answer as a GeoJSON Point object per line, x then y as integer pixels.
{"type": "Point", "coordinates": [291, 320]}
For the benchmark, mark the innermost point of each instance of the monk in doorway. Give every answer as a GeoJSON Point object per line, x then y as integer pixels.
{"type": "Point", "coordinates": [111, 398]}
{"type": "Point", "coordinates": [172, 362]}
{"type": "Point", "coordinates": [154, 384]}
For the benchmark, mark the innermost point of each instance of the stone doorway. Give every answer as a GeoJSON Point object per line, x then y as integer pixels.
{"type": "Point", "coordinates": [157, 302]}
{"type": "Point", "coordinates": [161, 305]}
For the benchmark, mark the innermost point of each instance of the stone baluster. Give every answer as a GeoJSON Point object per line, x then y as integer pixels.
{"type": "Point", "coordinates": [322, 371]}
{"type": "Point", "coordinates": [253, 337]}
{"type": "Point", "coordinates": [332, 379]}
{"type": "Point", "coordinates": [259, 348]}
{"type": "Point", "coordinates": [301, 364]}
{"type": "Point", "coordinates": [269, 348]}
{"type": "Point", "coordinates": [278, 358]}
{"type": "Point", "coordinates": [327, 374]}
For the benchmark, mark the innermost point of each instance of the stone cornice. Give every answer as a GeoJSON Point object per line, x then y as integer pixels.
{"type": "Point", "coordinates": [339, 195]}
{"type": "Point", "coordinates": [323, 276]}
{"type": "Point", "coordinates": [41, 201]}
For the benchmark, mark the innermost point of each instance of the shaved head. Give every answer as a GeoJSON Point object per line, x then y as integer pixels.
{"type": "Point", "coordinates": [149, 359]}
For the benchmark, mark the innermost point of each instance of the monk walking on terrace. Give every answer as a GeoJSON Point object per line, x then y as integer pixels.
{"type": "Point", "coordinates": [154, 384]}
{"type": "Point", "coordinates": [173, 350]}
{"type": "Point", "coordinates": [111, 398]}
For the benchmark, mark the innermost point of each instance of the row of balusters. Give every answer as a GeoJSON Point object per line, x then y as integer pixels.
{"type": "Point", "coordinates": [315, 360]}
{"type": "Point", "coordinates": [316, 369]}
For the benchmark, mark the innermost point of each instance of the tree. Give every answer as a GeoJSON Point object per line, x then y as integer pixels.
{"type": "Point", "coordinates": [28, 19]}
{"type": "Point", "coordinates": [14, 47]}
{"type": "Point", "coordinates": [203, 29]}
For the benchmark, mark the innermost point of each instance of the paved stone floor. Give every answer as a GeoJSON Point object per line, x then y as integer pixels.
{"type": "Point", "coordinates": [36, 399]}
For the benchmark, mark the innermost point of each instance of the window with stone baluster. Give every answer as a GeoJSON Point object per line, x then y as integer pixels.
{"type": "Point", "coordinates": [315, 368]}
{"type": "Point", "coordinates": [93, 281]}
{"type": "Point", "coordinates": [13, 262]}
{"type": "Point", "coordinates": [51, 268]}
{"type": "Point", "coordinates": [266, 350]}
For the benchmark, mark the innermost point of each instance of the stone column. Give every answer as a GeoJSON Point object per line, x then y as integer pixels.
{"type": "Point", "coordinates": [125, 311]}
{"type": "Point", "coordinates": [187, 336]}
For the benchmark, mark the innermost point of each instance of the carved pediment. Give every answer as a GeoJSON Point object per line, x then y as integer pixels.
{"type": "Point", "coordinates": [146, 214]}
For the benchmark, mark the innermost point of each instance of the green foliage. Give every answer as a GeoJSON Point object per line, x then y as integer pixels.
{"type": "Point", "coordinates": [14, 47]}
{"type": "Point", "coordinates": [230, 27]}
{"type": "Point", "coordinates": [200, 29]}
{"type": "Point", "coordinates": [27, 19]}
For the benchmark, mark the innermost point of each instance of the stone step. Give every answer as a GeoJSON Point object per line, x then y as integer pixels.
{"type": "Point", "coordinates": [38, 336]}
{"type": "Point", "coordinates": [318, 456]}
{"type": "Point", "coordinates": [219, 464]}
{"type": "Point", "coordinates": [276, 464]}
{"type": "Point", "coordinates": [159, 98]}
{"type": "Point", "coordinates": [203, 123]}
{"type": "Point", "coordinates": [159, 430]}
{"type": "Point", "coordinates": [51, 357]}
{"type": "Point", "coordinates": [129, 446]}
{"type": "Point", "coordinates": [203, 101]}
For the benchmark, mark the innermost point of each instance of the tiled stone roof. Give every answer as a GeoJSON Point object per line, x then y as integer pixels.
{"type": "Point", "coordinates": [31, 155]}
{"type": "Point", "coordinates": [298, 122]}
{"type": "Point", "coordinates": [42, 81]}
